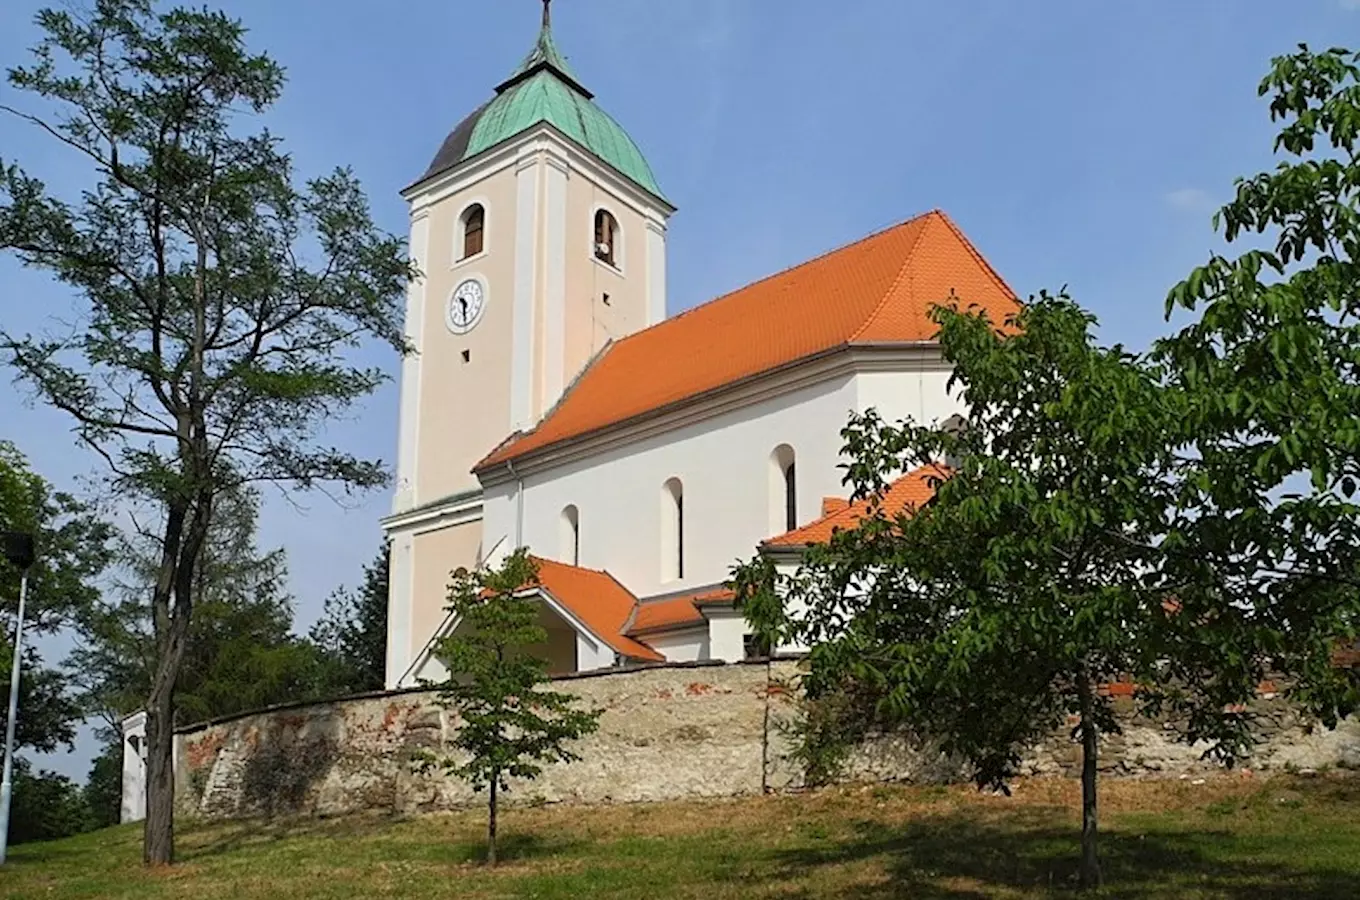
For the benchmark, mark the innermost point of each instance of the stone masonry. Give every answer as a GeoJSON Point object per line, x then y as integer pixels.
{"type": "Point", "coordinates": [667, 732]}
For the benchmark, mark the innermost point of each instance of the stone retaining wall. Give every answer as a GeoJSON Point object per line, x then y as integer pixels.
{"type": "Point", "coordinates": [668, 732]}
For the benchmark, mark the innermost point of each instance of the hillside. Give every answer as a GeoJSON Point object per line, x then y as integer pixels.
{"type": "Point", "coordinates": [1235, 836]}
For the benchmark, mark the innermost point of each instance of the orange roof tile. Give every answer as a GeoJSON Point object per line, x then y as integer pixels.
{"type": "Point", "coordinates": [659, 615]}
{"type": "Point", "coordinates": [908, 493]}
{"type": "Point", "coordinates": [877, 290]}
{"type": "Point", "coordinates": [833, 504]}
{"type": "Point", "coordinates": [597, 600]}
{"type": "Point", "coordinates": [677, 612]}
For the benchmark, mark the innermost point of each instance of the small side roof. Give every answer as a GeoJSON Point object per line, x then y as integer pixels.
{"type": "Point", "coordinates": [598, 601]}
{"type": "Point", "coordinates": [907, 494]}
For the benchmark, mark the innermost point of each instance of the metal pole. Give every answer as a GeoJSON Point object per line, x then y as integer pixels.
{"type": "Point", "coordinates": [7, 786]}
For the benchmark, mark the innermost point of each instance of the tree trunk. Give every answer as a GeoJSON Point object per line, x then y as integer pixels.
{"type": "Point", "coordinates": [491, 824]}
{"type": "Point", "coordinates": [158, 831]}
{"type": "Point", "coordinates": [1090, 862]}
{"type": "Point", "coordinates": [174, 584]}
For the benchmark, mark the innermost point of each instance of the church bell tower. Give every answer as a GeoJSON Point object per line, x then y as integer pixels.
{"type": "Point", "coordinates": [540, 233]}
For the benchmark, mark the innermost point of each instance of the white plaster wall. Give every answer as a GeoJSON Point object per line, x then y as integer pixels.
{"type": "Point", "coordinates": [727, 630]}
{"type": "Point", "coordinates": [724, 464]}
{"type": "Point", "coordinates": [591, 654]}
{"type": "Point", "coordinates": [923, 394]}
{"type": "Point", "coordinates": [681, 646]}
{"type": "Point", "coordinates": [794, 608]}
{"type": "Point", "coordinates": [134, 769]}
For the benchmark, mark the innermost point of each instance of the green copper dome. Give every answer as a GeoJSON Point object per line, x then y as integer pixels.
{"type": "Point", "coordinates": [544, 89]}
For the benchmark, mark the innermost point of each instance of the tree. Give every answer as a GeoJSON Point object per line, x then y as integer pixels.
{"type": "Point", "coordinates": [352, 632]}
{"type": "Point", "coordinates": [103, 793]}
{"type": "Point", "coordinates": [74, 548]}
{"type": "Point", "coordinates": [47, 806]}
{"type": "Point", "coordinates": [1273, 361]}
{"type": "Point", "coordinates": [219, 297]}
{"type": "Point", "coordinates": [240, 653]}
{"type": "Point", "coordinates": [510, 726]}
{"type": "Point", "coordinates": [987, 618]}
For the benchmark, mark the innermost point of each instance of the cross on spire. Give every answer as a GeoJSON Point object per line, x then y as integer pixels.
{"type": "Point", "coordinates": [547, 14]}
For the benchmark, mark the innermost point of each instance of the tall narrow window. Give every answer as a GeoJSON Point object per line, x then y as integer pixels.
{"type": "Point", "coordinates": [783, 490]}
{"type": "Point", "coordinates": [571, 536]}
{"type": "Point", "coordinates": [474, 228]}
{"type": "Point", "coordinates": [955, 426]}
{"type": "Point", "coordinates": [672, 530]}
{"type": "Point", "coordinates": [606, 236]}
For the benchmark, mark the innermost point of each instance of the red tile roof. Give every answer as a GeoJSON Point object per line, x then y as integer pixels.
{"type": "Point", "coordinates": [661, 615]}
{"type": "Point", "coordinates": [677, 612]}
{"type": "Point", "coordinates": [877, 290]}
{"type": "Point", "coordinates": [600, 602]}
{"type": "Point", "coordinates": [907, 493]}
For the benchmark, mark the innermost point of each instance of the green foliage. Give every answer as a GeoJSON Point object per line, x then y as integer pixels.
{"type": "Point", "coordinates": [221, 293]}
{"type": "Point", "coordinates": [352, 633]}
{"type": "Point", "coordinates": [73, 549]}
{"type": "Point", "coordinates": [510, 726]}
{"type": "Point", "coordinates": [103, 791]}
{"type": "Point", "coordinates": [993, 613]}
{"type": "Point", "coordinates": [1267, 498]}
{"type": "Point", "coordinates": [1185, 519]}
{"type": "Point", "coordinates": [240, 654]}
{"type": "Point", "coordinates": [46, 806]}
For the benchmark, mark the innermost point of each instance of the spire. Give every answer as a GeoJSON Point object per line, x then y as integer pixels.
{"type": "Point", "coordinates": [545, 55]}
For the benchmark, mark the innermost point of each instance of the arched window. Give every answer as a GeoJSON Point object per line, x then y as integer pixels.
{"type": "Point", "coordinates": [956, 425]}
{"type": "Point", "coordinates": [606, 237]}
{"type": "Point", "coordinates": [474, 230]}
{"type": "Point", "coordinates": [571, 536]}
{"type": "Point", "coordinates": [783, 490]}
{"type": "Point", "coordinates": [672, 530]}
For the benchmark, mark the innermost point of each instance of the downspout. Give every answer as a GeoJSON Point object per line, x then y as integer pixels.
{"type": "Point", "coordinates": [519, 504]}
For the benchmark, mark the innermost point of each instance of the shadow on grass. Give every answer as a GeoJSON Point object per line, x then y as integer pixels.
{"type": "Point", "coordinates": [955, 855]}
{"type": "Point", "coordinates": [374, 838]}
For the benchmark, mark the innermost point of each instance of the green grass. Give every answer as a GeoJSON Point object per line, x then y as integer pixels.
{"type": "Point", "coordinates": [1232, 837]}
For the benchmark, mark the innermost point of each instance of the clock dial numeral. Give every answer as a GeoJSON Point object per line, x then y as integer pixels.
{"type": "Point", "coordinates": [465, 306]}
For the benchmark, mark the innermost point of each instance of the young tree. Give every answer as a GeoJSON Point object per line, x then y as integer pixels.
{"type": "Point", "coordinates": [351, 634]}
{"type": "Point", "coordinates": [219, 296]}
{"type": "Point", "coordinates": [509, 725]}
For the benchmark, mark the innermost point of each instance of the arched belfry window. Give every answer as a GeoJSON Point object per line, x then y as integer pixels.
{"type": "Point", "coordinates": [783, 490]}
{"type": "Point", "coordinates": [606, 237]}
{"type": "Point", "coordinates": [571, 536]}
{"type": "Point", "coordinates": [474, 230]}
{"type": "Point", "coordinates": [672, 530]}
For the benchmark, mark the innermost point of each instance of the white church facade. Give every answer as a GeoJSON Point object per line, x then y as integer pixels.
{"type": "Point", "coordinates": [550, 404]}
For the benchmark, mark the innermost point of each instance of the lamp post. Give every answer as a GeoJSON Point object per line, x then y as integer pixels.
{"type": "Point", "coordinates": [18, 549]}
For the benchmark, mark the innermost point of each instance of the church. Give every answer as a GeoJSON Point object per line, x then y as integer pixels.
{"type": "Point", "coordinates": [550, 403]}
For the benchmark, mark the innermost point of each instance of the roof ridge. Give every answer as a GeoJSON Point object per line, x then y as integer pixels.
{"type": "Point", "coordinates": [594, 361]}
{"type": "Point", "coordinates": [973, 251]}
{"type": "Point", "coordinates": [782, 272]}
{"type": "Point", "coordinates": [901, 275]}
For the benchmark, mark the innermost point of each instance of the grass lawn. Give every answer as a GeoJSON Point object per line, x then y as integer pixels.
{"type": "Point", "coordinates": [1233, 836]}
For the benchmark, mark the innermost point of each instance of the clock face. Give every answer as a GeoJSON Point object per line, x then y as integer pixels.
{"type": "Point", "coordinates": [465, 306]}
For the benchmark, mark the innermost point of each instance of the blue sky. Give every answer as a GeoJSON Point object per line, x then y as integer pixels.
{"type": "Point", "coordinates": [1076, 143]}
